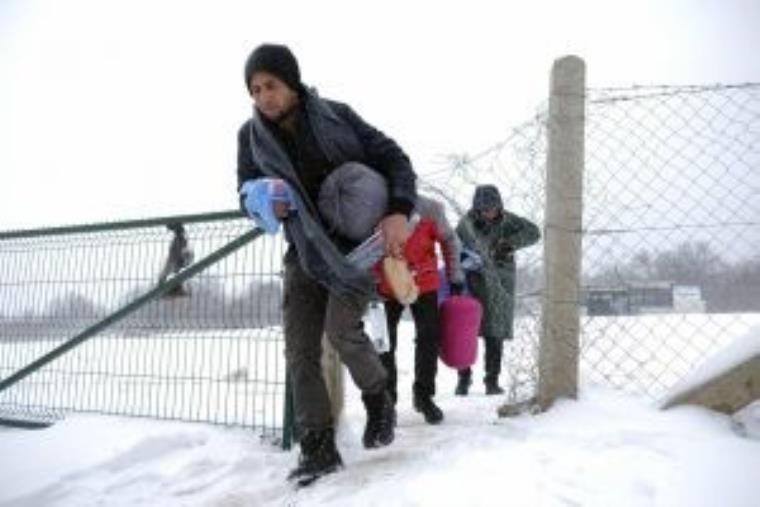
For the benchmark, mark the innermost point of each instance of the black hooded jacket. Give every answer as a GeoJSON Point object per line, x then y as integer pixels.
{"type": "Point", "coordinates": [335, 135]}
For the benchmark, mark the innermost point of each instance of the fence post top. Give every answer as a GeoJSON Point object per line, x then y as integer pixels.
{"type": "Point", "coordinates": [568, 75]}
{"type": "Point", "coordinates": [569, 61]}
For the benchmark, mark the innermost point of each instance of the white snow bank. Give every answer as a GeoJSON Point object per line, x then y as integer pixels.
{"type": "Point", "coordinates": [601, 450]}
{"type": "Point", "coordinates": [743, 348]}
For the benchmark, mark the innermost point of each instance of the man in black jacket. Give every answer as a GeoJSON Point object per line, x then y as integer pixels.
{"type": "Point", "coordinates": [298, 138]}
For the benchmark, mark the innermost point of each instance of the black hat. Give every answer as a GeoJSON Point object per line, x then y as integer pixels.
{"type": "Point", "coordinates": [487, 197]}
{"type": "Point", "coordinates": [277, 60]}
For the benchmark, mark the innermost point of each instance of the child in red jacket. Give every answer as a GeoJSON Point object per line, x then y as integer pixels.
{"type": "Point", "coordinates": [422, 260]}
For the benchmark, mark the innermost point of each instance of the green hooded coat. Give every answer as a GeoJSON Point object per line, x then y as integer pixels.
{"type": "Point", "coordinates": [494, 283]}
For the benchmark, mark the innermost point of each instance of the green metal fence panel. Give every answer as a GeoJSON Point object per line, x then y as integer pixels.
{"type": "Point", "coordinates": [144, 318]}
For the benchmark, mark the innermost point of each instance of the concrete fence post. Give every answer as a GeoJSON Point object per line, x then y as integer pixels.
{"type": "Point", "coordinates": [560, 320]}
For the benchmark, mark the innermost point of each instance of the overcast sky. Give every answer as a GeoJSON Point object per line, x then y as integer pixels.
{"type": "Point", "coordinates": [126, 109]}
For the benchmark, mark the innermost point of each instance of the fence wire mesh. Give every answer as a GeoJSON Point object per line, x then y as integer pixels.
{"type": "Point", "coordinates": [210, 350]}
{"type": "Point", "coordinates": [671, 209]}
{"type": "Point", "coordinates": [671, 230]}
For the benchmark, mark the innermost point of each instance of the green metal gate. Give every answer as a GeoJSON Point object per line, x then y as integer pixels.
{"type": "Point", "coordinates": [104, 318]}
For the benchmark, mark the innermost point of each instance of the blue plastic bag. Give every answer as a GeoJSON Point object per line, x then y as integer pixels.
{"type": "Point", "coordinates": [259, 198]}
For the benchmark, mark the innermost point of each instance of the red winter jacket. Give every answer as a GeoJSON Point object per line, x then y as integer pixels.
{"type": "Point", "coordinates": [419, 250]}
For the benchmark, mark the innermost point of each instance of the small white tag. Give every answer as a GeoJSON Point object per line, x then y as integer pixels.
{"type": "Point", "coordinates": [376, 326]}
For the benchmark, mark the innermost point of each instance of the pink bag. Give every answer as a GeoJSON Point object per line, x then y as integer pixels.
{"type": "Point", "coordinates": [460, 324]}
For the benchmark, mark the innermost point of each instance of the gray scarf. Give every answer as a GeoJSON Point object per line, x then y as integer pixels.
{"type": "Point", "coordinates": [317, 254]}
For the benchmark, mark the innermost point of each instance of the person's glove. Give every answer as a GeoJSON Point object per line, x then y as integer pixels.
{"type": "Point", "coordinates": [503, 250]}
{"type": "Point", "coordinates": [259, 197]}
{"type": "Point", "coordinates": [456, 288]}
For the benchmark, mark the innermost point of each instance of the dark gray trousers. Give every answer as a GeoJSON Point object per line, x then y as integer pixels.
{"type": "Point", "coordinates": [426, 344]}
{"type": "Point", "coordinates": [309, 310]}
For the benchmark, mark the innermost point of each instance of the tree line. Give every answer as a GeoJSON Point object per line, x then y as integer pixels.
{"type": "Point", "coordinates": [726, 287]}
{"type": "Point", "coordinates": [207, 306]}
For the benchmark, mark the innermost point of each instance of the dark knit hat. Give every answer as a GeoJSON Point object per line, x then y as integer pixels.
{"type": "Point", "coordinates": [487, 197]}
{"type": "Point", "coordinates": [277, 60]}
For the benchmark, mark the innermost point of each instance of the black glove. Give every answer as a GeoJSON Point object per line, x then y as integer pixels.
{"type": "Point", "coordinates": [455, 289]}
{"type": "Point", "coordinates": [503, 250]}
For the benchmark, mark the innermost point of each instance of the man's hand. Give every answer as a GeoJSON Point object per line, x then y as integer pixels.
{"type": "Point", "coordinates": [395, 233]}
{"type": "Point", "coordinates": [281, 209]}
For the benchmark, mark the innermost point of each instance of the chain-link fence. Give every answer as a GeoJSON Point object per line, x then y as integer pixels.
{"type": "Point", "coordinates": [209, 349]}
{"type": "Point", "coordinates": [671, 229]}
{"type": "Point", "coordinates": [670, 236]}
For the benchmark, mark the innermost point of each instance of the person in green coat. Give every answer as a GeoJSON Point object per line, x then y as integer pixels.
{"type": "Point", "coordinates": [490, 237]}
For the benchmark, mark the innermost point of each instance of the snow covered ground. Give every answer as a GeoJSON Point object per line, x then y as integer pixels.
{"type": "Point", "coordinates": [605, 449]}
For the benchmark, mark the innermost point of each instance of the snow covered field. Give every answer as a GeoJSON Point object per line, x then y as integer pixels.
{"type": "Point", "coordinates": [604, 449]}
{"type": "Point", "coordinates": [237, 376]}
{"type": "Point", "coordinates": [215, 375]}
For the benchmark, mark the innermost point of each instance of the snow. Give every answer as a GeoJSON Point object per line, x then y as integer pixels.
{"type": "Point", "coordinates": [603, 449]}
{"type": "Point", "coordinates": [742, 349]}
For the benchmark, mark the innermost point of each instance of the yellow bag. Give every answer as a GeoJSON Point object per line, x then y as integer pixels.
{"type": "Point", "coordinates": [400, 280]}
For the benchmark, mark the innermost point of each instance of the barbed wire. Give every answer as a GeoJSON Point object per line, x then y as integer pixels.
{"type": "Point", "coordinates": [638, 92]}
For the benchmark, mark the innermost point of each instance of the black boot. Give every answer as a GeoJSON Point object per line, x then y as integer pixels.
{"type": "Point", "coordinates": [427, 407]}
{"type": "Point", "coordinates": [494, 349]}
{"type": "Point", "coordinates": [380, 420]}
{"type": "Point", "coordinates": [318, 457]}
{"type": "Point", "coordinates": [492, 385]}
{"type": "Point", "coordinates": [463, 385]}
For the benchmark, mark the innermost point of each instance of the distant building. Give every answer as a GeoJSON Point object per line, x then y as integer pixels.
{"type": "Point", "coordinates": [642, 297]}
{"type": "Point", "coordinates": [688, 299]}
{"type": "Point", "coordinates": [606, 300]}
